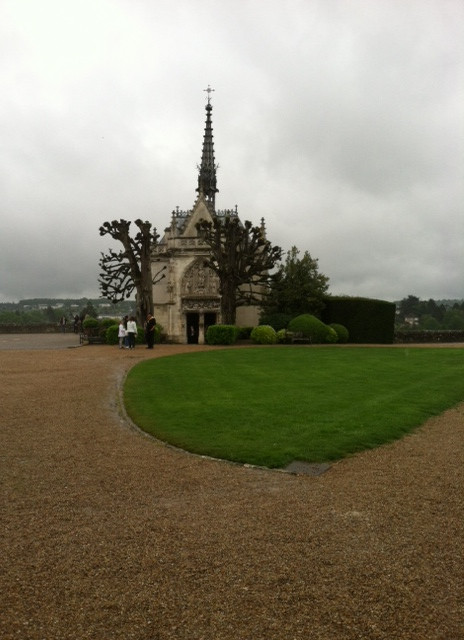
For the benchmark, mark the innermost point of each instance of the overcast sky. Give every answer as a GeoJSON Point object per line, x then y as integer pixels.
{"type": "Point", "coordinates": [338, 121]}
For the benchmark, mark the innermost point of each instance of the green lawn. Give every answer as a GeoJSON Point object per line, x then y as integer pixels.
{"type": "Point", "coordinates": [272, 405]}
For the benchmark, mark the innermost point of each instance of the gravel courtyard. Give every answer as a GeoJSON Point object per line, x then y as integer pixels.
{"type": "Point", "coordinates": [107, 534]}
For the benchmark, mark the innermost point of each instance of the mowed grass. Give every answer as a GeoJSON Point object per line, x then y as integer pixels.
{"type": "Point", "coordinates": [271, 405]}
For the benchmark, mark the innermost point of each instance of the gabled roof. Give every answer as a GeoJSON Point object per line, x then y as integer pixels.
{"type": "Point", "coordinates": [201, 211]}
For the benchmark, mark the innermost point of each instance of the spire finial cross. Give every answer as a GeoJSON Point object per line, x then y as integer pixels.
{"type": "Point", "coordinates": [209, 91]}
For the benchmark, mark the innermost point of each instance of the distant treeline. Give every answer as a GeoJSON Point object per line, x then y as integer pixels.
{"type": "Point", "coordinates": [412, 312]}
{"type": "Point", "coordinates": [37, 311]}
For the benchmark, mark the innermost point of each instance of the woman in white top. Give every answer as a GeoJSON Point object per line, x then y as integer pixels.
{"type": "Point", "coordinates": [131, 332]}
{"type": "Point", "coordinates": [121, 334]}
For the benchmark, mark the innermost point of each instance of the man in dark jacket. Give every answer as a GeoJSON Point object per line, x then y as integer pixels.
{"type": "Point", "coordinates": [150, 331]}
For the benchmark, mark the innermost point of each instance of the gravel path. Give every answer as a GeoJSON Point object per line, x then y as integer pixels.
{"type": "Point", "coordinates": [107, 534]}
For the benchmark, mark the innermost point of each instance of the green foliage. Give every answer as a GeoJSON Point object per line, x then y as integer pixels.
{"type": "Point", "coordinates": [158, 334]}
{"type": "Point", "coordinates": [298, 287]}
{"type": "Point", "coordinates": [33, 317]}
{"type": "Point", "coordinates": [244, 333]}
{"type": "Point", "coordinates": [111, 336]}
{"type": "Point", "coordinates": [48, 311]}
{"type": "Point", "coordinates": [283, 336]}
{"type": "Point", "coordinates": [453, 319]}
{"type": "Point", "coordinates": [312, 328]}
{"type": "Point", "coordinates": [276, 320]}
{"type": "Point", "coordinates": [89, 310]}
{"type": "Point", "coordinates": [429, 323]}
{"type": "Point", "coordinates": [242, 259]}
{"type": "Point", "coordinates": [331, 336]}
{"type": "Point", "coordinates": [271, 406]}
{"type": "Point", "coordinates": [368, 321]}
{"type": "Point", "coordinates": [264, 334]}
{"type": "Point", "coordinates": [103, 325]}
{"type": "Point", "coordinates": [341, 331]}
{"type": "Point", "coordinates": [429, 314]}
{"type": "Point", "coordinates": [107, 322]}
{"type": "Point", "coordinates": [52, 315]}
{"type": "Point", "coordinates": [91, 324]}
{"type": "Point", "coordinates": [222, 334]}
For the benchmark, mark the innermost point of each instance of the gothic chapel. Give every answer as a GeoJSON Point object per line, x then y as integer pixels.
{"type": "Point", "coordinates": [187, 299]}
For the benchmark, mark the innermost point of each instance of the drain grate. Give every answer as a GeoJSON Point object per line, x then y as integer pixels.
{"type": "Point", "coordinates": [309, 468]}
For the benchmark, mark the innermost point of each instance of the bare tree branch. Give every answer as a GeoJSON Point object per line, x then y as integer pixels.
{"type": "Point", "coordinates": [240, 255]}
{"type": "Point", "coordinates": [130, 268]}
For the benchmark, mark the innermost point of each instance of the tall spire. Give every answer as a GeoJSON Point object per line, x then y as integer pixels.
{"type": "Point", "coordinates": [207, 169]}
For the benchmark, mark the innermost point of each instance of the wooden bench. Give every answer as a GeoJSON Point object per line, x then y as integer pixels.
{"type": "Point", "coordinates": [299, 338]}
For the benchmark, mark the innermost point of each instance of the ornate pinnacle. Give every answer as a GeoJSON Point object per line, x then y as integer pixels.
{"type": "Point", "coordinates": [207, 169]}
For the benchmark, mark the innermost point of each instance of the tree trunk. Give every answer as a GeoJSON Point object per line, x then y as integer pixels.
{"type": "Point", "coordinates": [228, 302]}
{"type": "Point", "coordinates": [144, 293]}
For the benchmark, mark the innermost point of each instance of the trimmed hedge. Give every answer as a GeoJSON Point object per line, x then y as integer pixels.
{"type": "Point", "coordinates": [222, 334]}
{"type": "Point", "coordinates": [368, 321]}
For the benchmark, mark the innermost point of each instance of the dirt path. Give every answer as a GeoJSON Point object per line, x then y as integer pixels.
{"type": "Point", "coordinates": [107, 534]}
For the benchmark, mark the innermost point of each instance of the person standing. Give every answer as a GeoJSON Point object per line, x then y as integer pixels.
{"type": "Point", "coordinates": [121, 334]}
{"type": "Point", "coordinates": [150, 331]}
{"type": "Point", "coordinates": [126, 339]}
{"type": "Point", "coordinates": [131, 332]}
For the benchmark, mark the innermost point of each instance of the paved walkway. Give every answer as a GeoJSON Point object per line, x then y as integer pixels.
{"type": "Point", "coordinates": [21, 341]}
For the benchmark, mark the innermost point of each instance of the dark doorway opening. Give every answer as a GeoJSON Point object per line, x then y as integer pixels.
{"type": "Point", "coordinates": [193, 322]}
{"type": "Point", "coordinates": [210, 318]}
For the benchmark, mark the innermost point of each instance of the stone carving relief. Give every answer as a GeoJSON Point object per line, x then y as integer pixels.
{"type": "Point", "coordinates": [199, 280]}
{"type": "Point", "coordinates": [202, 304]}
{"type": "Point", "coordinates": [171, 284]}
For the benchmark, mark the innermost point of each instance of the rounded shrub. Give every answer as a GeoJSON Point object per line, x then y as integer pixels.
{"type": "Point", "coordinates": [91, 326]}
{"type": "Point", "coordinates": [111, 336]}
{"type": "Point", "coordinates": [341, 331]}
{"type": "Point", "coordinates": [222, 334]}
{"type": "Point", "coordinates": [310, 327]}
{"type": "Point", "coordinates": [264, 334]}
{"type": "Point", "coordinates": [331, 336]}
{"type": "Point", "coordinates": [283, 336]}
{"type": "Point", "coordinates": [107, 322]}
{"type": "Point", "coordinates": [103, 325]}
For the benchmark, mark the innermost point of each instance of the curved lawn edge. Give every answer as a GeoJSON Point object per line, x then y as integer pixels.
{"type": "Point", "coordinates": [232, 416]}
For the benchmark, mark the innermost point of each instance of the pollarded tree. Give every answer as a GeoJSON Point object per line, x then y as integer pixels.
{"type": "Point", "coordinates": [242, 258]}
{"type": "Point", "coordinates": [130, 268]}
{"type": "Point", "coordinates": [298, 287]}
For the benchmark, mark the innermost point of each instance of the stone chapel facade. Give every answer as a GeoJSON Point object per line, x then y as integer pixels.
{"type": "Point", "coordinates": [187, 298]}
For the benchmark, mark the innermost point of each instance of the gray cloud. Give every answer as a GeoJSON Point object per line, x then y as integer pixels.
{"type": "Point", "coordinates": [340, 124]}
